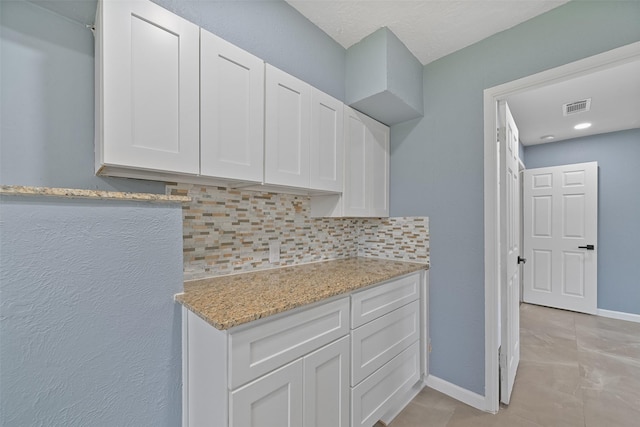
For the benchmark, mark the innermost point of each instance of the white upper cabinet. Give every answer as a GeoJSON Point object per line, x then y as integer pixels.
{"type": "Point", "coordinates": [147, 77]}
{"type": "Point", "coordinates": [327, 143]}
{"type": "Point", "coordinates": [366, 171]}
{"type": "Point", "coordinates": [304, 135]}
{"type": "Point", "coordinates": [366, 181]}
{"type": "Point", "coordinates": [287, 129]}
{"type": "Point", "coordinates": [231, 111]}
{"type": "Point", "coordinates": [377, 151]}
{"type": "Point", "coordinates": [177, 103]}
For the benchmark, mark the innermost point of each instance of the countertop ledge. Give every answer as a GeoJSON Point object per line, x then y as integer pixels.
{"type": "Point", "coordinates": [16, 190]}
{"type": "Point", "coordinates": [229, 301]}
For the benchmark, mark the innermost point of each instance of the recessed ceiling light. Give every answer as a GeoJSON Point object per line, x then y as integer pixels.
{"type": "Point", "coordinates": [547, 137]}
{"type": "Point", "coordinates": [581, 126]}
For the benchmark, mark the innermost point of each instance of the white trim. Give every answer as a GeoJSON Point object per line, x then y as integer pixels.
{"type": "Point", "coordinates": [491, 256]}
{"type": "Point", "coordinates": [492, 95]}
{"type": "Point", "coordinates": [185, 366]}
{"type": "Point", "coordinates": [620, 315]}
{"type": "Point", "coordinates": [456, 392]}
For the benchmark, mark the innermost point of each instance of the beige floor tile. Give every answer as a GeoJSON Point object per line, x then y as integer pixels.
{"type": "Point", "coordinates": [612, 336]}
{"type": "Point", "coordinates": [547, 321]}
{"type": "Point", "coordinates": [610, 409]}
{"type": "Point", "coordinates": [431, 398]}
{"type": "Point", "coordinates": [576, 370]}
{"type": "Point", "coordinates": [465, 416]}
{"type": "Point", "coordinates": [415, 415]}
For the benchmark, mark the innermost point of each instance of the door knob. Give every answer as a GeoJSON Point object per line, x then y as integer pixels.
{"type": "Point", "coordinates": [521, 260]}
{"type": "Point", "coordinates": [588, 247]}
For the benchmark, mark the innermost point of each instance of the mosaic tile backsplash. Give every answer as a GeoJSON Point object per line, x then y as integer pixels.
{"type": "Point", "coordinates": [228, 231]}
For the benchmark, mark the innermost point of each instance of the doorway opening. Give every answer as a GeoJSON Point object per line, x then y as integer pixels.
{"type": "Point", "coordinates": [492, 250]}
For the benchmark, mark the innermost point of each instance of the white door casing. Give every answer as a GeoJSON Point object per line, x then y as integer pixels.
{"type": "Point", "coordinates": [509, 250]}
{"type": "Point", "coordinates": [560, 217]}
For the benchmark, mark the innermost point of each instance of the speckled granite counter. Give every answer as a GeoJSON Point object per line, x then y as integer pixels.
{"type": "Point", "coordinates": [72, 193]}
{"type": "Point", "coordinates": [228, 301]}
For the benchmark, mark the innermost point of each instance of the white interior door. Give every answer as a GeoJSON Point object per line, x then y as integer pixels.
{"type": "Point", "coordinates": [509, 251]}
{"type": "Point", "coordinates": [560, 229]}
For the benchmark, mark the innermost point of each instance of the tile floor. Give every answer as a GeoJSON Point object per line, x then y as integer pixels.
{"type": "Point", "coordinates": [575, 370]}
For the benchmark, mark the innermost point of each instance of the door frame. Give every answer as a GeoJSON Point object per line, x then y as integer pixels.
{"type": "Point", "coordinates": [492, 96]}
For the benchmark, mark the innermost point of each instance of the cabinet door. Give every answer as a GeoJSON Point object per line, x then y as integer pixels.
{"type": "Point", "coordinates": [231, 111]}
{"type": "Point", "coordinates": [274, 400]}
{"type": "Point", "coordinates": [356, 186]}
{"type": "Point", "coordinates": [327, 148]}
{"type": "Point", "coordinates": [148, 90]}
{"type": "Point", "coordinates": [366, 190]}
{"type": "Point", "coordinates": [287, 129]}
{"type": "Point", "coordinates": [326, 386]}
{"type": "Point", "coordinates": [378, 167]}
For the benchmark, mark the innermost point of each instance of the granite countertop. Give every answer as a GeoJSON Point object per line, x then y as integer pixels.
{"type": "Point", "coordinates": [228, 301]}
{"type": "Point", "coordinates": [72, 193]}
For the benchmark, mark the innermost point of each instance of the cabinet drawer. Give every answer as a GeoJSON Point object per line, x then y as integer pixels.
{"type": "Point", "coordinates": [373, 303]}
{"type": "Point", "coordinates": [255, 351]}
{"type": "Point", "coordinates": [372, 398]}
{"type": "Point", "coordinates": [379, 341]}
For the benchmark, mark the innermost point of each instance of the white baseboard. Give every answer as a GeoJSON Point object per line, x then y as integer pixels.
{"type": "Point", "coordinates": [630, 317]}
{"type": "Point", "coordinates": [456, 392]}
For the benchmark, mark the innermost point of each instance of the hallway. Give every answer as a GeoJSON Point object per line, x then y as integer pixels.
{"type": "Point", "coordinates": [575, 370]}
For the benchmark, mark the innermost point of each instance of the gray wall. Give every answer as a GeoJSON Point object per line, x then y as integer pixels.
{"type": "Point", "coordinates": [437, 162]}
{"type": "Point", "coordinates": [90, 333]}
{"type": "Point", "coordinates": [617, 154]}
{"type": "Point", "coordinates": [47, 79]}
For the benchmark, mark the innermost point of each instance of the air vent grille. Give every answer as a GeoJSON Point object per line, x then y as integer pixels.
{"type": "Point", "coordinates": [576, 107]}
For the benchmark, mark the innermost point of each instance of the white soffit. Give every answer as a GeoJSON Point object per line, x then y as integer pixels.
{"type": "Point", "coordinates": [430, 29]}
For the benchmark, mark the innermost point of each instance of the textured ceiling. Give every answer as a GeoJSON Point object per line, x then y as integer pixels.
{"type": "Point", "coordinates": [430, 29]}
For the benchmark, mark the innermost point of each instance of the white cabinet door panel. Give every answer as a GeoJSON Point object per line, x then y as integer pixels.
{"type": "Point", "coordinates": [231, 111]}
{"type": "Point", "coordinates": [356, 185]}
{"type": "Point", "coordinates": [274, 400]}
{"type": "Point", "coordinates": [326, 162]}
{"type": "Point", "coordinates": [148, 88]}
{"type": "Point", "coordinates": [287, 129]}
{"type": "Point", "coordinates": [326, 386]}
{"type": "Point", "coordinates": [379, 169]}
{"type": "Point", "coordinates": [366, 189]}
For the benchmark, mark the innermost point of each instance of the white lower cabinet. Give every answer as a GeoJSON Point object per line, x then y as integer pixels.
{"type": "Point", "coordinates": [387, 324]}
{"type": "Point", "coordinates": [310, 392]}
{"type": "Point", "coordinates": [323, 366]}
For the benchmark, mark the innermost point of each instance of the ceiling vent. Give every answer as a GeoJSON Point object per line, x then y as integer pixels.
{"type": "Point", "coordinates": [576, 107]}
